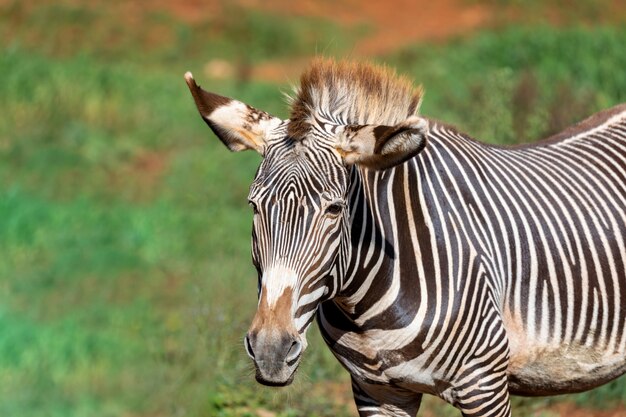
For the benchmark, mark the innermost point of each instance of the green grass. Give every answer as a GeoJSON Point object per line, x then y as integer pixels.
{"type": "Point", "coordinates": [125, 280]}
{"type": "Point", "coordinates": [112, 277]}
{"type": "Point", "coordinates": [521, 84]}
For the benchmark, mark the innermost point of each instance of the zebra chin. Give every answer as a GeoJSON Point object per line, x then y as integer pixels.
{"type": "Point", "coordinates": [273, 381]}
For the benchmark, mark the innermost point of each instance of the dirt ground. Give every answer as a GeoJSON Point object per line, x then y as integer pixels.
{"type": "Point", "coordinates": [395, 23]}
{"type": "Point", "coordinates": [389, 25]}
{"type": "Point", "coordinates": [570, 410]}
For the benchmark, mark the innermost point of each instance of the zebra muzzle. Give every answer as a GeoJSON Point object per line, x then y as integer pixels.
{"type": "Point", "coordinates": [275, 358]}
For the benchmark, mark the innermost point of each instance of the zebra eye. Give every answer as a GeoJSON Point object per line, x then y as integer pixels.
{"type": "Point", "coordinates": [252, 204]}
{"type": "Point", "coordinates": [334, 209]}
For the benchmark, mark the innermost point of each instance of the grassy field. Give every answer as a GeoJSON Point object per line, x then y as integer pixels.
{"type": "Point", "coordinates": [125, 280]}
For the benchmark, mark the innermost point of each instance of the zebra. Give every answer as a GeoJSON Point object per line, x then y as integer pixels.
{"type": "Point", "coordinates": [433, 263]}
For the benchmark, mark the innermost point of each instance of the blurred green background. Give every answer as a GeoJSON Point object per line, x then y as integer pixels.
{"type": "Point", "coordinates": [125, 280]}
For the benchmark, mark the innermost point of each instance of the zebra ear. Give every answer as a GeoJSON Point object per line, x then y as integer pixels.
{"type": "Point", "coordinates": [380, 146]}
{"type": "Point", "coordinates": [237, 125]}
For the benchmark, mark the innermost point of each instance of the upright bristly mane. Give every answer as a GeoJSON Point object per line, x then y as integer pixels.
{"type": "Point", "coordinates": [353, 93]}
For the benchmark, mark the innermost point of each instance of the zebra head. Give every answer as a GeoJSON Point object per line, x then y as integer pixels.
{"type": "Point", "coordinates": [301, 203]}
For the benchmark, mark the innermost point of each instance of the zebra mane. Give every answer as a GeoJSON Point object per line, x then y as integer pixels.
{"type": "Point", "coordinates": [351, 93]}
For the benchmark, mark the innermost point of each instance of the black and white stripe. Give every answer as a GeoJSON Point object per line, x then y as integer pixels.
{"type": "Point", "coordinates": [479, 269]}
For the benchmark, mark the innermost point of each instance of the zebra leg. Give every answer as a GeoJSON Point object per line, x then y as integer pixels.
{"type": "Point", "coordinates": [383, 400]}
{"type": "Point", "coordinates": [480, 387]}
{"type": "Point", "coordinates": [487, 396]}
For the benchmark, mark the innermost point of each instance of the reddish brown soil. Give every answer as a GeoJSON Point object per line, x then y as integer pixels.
{"type": "Point", "coordinates": [571, 410]}
{"type": "Point", "coordinates": [141, 175]}
{"type": "Point", "coordinates": [391, 24]}
{"type": "Point", "coordinates": [395, 23]}
{"type": "Point", "coordinates": [150, 166]}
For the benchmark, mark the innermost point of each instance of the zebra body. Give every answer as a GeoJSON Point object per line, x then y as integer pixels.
{"type": "Point", "coordinates": [434, 263]}
{"type": "Point", "coordinates": [513, 239]}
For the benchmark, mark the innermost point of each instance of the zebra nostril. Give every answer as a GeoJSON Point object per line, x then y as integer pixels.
{"type": "Point", "coordinates": [246, 343]}
{"type": "Point", "coordinates": [294, 352]}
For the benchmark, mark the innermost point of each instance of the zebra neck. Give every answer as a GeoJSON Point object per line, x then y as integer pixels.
{"type": "Point", "coordinates": [392, 235]}
{"type": "Point", "coordinates": [371, 251]}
